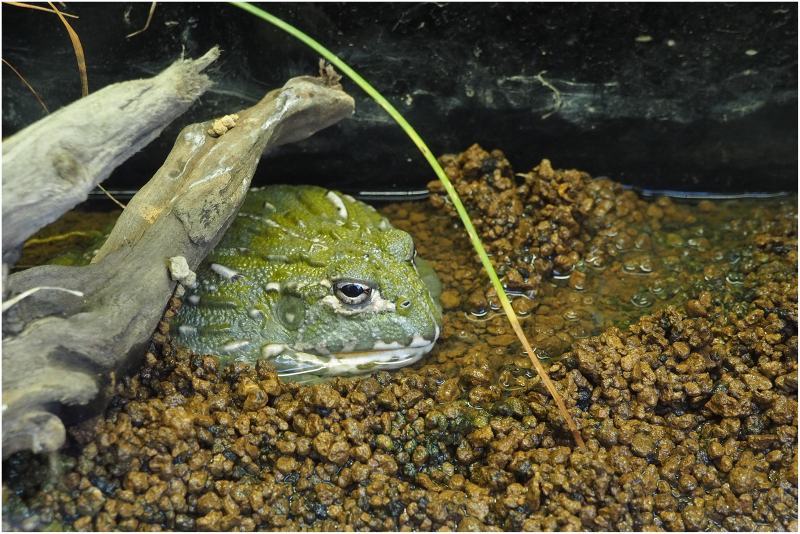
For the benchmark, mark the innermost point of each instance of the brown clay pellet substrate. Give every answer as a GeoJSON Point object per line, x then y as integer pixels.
{"type": "Point", "coordinates": [676, 343]}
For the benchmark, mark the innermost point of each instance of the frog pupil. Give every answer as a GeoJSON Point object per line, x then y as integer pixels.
{"type": "Point", "coordinates": [352, 290]}
{"type": "Point", "coordinates": [353, 293]}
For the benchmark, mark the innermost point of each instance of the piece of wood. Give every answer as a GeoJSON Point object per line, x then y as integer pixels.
{"type": "Point", "coordinates": [50, 166]}
{"type": "Point", "coordinates": [60, 349]}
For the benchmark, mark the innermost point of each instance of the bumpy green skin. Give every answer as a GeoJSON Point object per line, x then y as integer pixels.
{"type": "Point", "coordinates": [267, 289]}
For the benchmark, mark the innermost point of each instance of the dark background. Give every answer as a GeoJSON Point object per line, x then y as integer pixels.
{"type": "Point", "coordinates": [699, 97]}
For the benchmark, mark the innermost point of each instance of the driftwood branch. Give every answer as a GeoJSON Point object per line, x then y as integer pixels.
{"type": "Point", "coordinates": [50, 166]}
{"type": "Point", "coordinates": [59, 348]}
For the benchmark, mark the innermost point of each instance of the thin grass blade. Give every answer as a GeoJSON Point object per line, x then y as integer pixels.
{"type": "Point", "coordinates": [451, 192]}
{"type": "Point", "coordinates": [76, 44]}
{"type": "Point", "coordinates": [29, 86]}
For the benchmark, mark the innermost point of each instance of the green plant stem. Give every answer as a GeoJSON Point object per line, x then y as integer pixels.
{"type": "Point", "coordinates": [451, 192]}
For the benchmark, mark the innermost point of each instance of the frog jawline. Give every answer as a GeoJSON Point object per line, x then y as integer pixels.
{"type": "Point", "coordinates": [361, 362]}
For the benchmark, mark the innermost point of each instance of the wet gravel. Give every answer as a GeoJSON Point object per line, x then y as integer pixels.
{"type": "Point", "coordinates": [583, 254]}
{"type": "Point", "coordinates": [688, 409]}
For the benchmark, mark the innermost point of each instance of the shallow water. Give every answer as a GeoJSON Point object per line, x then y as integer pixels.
{"type": "Point", "coordinates": [710, 251]}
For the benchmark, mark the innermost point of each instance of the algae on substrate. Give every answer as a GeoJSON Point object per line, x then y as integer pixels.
{"type": "Point", "coordinates": [71, 240]}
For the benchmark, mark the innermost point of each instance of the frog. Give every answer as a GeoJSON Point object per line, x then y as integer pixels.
{"type": "Point", "coordinates": [316, 283]}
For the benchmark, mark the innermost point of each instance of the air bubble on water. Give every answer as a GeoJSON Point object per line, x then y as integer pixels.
{"type": "Point", "coordinates": [541, 353]}
{"type": "Point", "coordinates": [642, 300]}
{"type": "Point", "coordinates": [577, 332]}
{"type": "Point", "coordinates": [623, 242]}
{"type": "Point", "coordinates": [521, 306]}
{"type": "Point", "coordinates": [598, 262]}
{"type": "Point", "coordinates": [578, 285]}
{"type": "Point", "coordinates": [511, 383]}
{"type": "Point", "coordinates": [529, 294]}
{"type": "Point", "coordinates": [711, 273]}
{"type": "Point", "coordinates": [657, 287]}
{"type": "Point", "coordinates": [667, 290]}
{"type": "Point", "coordinates": [671, 263]}
{"type": "Point", "coordinates": [748, 265]}
{"type": "Point", "coordinates": [735, 278]}
{"type": "Point", "coordinates": [699, 243]}
{"type": "Point", "coordinates": [642, 241]}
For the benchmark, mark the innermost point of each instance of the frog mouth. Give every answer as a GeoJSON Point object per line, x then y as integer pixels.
{"type": "Point", "coordinates": [383, 356]}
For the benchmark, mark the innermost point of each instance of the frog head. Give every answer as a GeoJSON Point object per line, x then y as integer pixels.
{"type": "Point", "coordinates": [319, 285]}
{"type": "Point", "coordinates": [371, 309]}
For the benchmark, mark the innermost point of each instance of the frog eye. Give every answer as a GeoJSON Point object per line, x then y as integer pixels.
{"type": "Point", "coordinates": [351, 292]}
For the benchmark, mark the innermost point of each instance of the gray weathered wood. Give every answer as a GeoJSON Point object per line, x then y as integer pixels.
{"type": "Point", "coordinates": [51, 165]}
{"type": "Point", "coordinates": [60, 349]}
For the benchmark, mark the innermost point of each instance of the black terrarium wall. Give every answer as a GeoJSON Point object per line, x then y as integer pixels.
{"type": "Point", "coordinates": [701, 97]}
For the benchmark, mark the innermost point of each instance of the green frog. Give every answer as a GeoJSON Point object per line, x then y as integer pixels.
{"type": "Point", "coordinates": [317, 283]}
